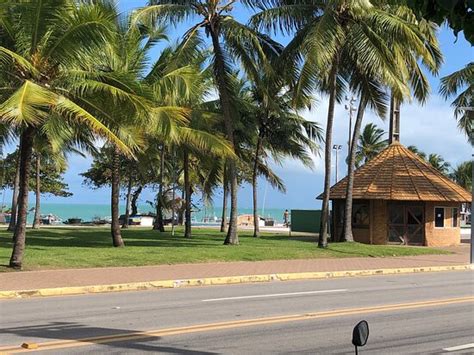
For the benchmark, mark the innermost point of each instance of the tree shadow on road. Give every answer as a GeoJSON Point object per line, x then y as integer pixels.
{"type": "Point", "coordinates": [68, 331]}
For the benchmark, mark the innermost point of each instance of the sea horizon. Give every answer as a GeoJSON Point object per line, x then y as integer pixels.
{"type": "Point", "coordinates": [90, 211]}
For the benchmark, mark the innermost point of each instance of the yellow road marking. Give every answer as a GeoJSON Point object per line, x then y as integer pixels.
{"type": "Point", "coordinates": [61, 344]}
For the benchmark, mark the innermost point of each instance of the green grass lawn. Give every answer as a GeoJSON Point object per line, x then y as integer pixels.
{"type": "Point", "coordinates": [92, 247]}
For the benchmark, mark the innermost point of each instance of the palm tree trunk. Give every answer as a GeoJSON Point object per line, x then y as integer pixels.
{"type": "Point", "coordinates": [129, 201]}
{"type": "Point", "coordinates": [36, 220]}
{"type": "Point", "coordinates": [187, 195]}
{"type": "Point", "coordinates": [19, 237]}
{"type": "Point", "coordinates": [323, 234]}
{"type": "Point", "coordinates": [16, 187]}
{"type": "Point", "coordinates": [134, 200]}
{"type": "Point", "coordinates": [256, 228]}
{"type": "Point", "coordinates": [224, 201]}
{"type": "Point", "coordinates": [158, 225]}
{"type": "Point", "coordinates": [220, 75]}
{"type": "Point", "coordinates": [115, 196]}
{"type": "Point", "coordinates": [350, 178]}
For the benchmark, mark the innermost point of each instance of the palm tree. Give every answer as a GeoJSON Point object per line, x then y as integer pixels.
{"type": "Point", "coordinates": [462, 174]}
{"type": "Point", "coordinates": [439, 163]}
{"type": "Point", "coordinates": [418, 152]}
{"type": "Point", "coordinates": [371, 142]}
{"type": "Point", "coordinates": [152, 114]}
{"type": "Point", "coordinates": [464, 102]}
{"type": "Point", "coordinates": [399, 29]}
{"type": "Point", "coordinates": [123, 59]}
{"type": "Point", "coordinates": [231, 40]}
{"type": "Point", "coordinates": [280, 131]}
{"type": "Point", "coordinates": [321, 34]}
{"type": "Point", "coordinates": [337, 39]}
{"type": "Point", "coordinates": [44, 43]}
{"type": "Point", "coordinates": [179, 77]}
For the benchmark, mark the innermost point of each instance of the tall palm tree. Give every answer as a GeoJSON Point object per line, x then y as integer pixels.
{"type": "Point", "coordinates": [438, 162]}
{"type": "Point", "coordinates": [462, 174]}
{"type": "Point", "coordinates": [336, 38]}
{"type": "Point", "coordinates": [463, 104]}
{"type": "Point", "coordinates": [231, 41]}
{"type": "Point", "coordinates": [399, 29]}
{"type": "Point", "coordinates": [123, 59]}
{"type": "Point", "coordinates": [322, 29]}
{"type": "Point", "coordinates": [46, 40]}
{"type": "Point", "coordinates": [282, 134]}
{"type": "Point", "coordinates": [371, 142]}
{"type": "Point", "coordinates": [280, 131]}
{"type": "Point", "coordinates": [179, 77]}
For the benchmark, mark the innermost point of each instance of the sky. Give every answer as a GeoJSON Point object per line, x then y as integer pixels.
{"type": "Point", "coordinates": [431, 127]}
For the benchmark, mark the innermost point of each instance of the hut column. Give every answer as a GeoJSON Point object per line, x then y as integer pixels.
{"type": "Point", "coordinates": [394, 126]}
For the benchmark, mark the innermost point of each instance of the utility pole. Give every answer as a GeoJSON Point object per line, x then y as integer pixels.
{"type": "Point", "coordinates": [350, 107]}
{"type": "Point", "coordinates": [471, 109]}
{"type": "Point", "coordinates": [337, 148]}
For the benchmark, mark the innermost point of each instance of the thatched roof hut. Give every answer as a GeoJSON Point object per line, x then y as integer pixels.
{"type": "Point", "coordinates": [400, 198]}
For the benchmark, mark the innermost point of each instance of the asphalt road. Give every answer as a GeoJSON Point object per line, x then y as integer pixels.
{"type": "Point", "coordinates": [417, 313]}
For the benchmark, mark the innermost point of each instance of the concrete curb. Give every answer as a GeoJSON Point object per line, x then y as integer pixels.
{"type": "Point", "coordinates": [225, 280]}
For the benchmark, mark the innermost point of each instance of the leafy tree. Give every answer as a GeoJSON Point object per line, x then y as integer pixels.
{"type": "Point", "coordinates": [371, 142]}
{"type": "Point", "coordinates": [138, 175]}
{"type": "Point", "coordinates": [51, 176]}
{"type": "Point", "coordinates": [464, 103]}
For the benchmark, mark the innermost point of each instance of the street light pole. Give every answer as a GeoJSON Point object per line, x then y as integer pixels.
{"type": "Point", "coordinates": [351, 108]}
{"type": "Point", "coordinates": [337, 148]}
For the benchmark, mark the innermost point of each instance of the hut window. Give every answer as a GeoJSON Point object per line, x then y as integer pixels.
{"type": "Point", "coordinates": [455, 217]}
{"type": "Point", "coordinates": [439, 217]}
{"type": "Point", "coordinates": [360, 216]}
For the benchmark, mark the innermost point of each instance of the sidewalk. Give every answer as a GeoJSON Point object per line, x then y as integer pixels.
{"type": "Point", "coordinates": [32, 280]}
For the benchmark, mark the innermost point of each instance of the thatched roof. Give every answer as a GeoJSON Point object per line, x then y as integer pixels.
{"type": "Point", "coordinates": [396, 173]}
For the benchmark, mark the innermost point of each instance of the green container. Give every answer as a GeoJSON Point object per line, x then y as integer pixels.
{"type": "Point", "coordinates": [305, 221]}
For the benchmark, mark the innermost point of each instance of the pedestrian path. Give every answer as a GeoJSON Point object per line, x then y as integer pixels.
{"type": "Point", "coordinates": [30, 280]}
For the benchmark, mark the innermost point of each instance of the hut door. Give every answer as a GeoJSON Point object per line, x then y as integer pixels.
{"type": "Point", "coordinates": [406, 224]}
{"type": "Point", "coordinates": [415, 224]}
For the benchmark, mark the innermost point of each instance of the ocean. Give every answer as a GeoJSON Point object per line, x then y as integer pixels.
{"type": "Point", "coordinates": [87, 212]}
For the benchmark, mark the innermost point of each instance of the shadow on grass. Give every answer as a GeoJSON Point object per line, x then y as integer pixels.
{"type": "Point", "coordinates": [300, 238]}
{"type": "Point", "coordinates": [102, 239]}
{"type": "Point", "coordinates": [82, 333]}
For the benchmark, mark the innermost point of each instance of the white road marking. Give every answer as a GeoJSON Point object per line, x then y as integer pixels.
{"type": "Point", "coordinates": [460, 347]}
{"type": "Point", "coordinates": [274, 295]}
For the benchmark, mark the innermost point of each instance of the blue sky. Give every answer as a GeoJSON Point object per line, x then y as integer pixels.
{"type": "Point", "coordinates": [431, 127]}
